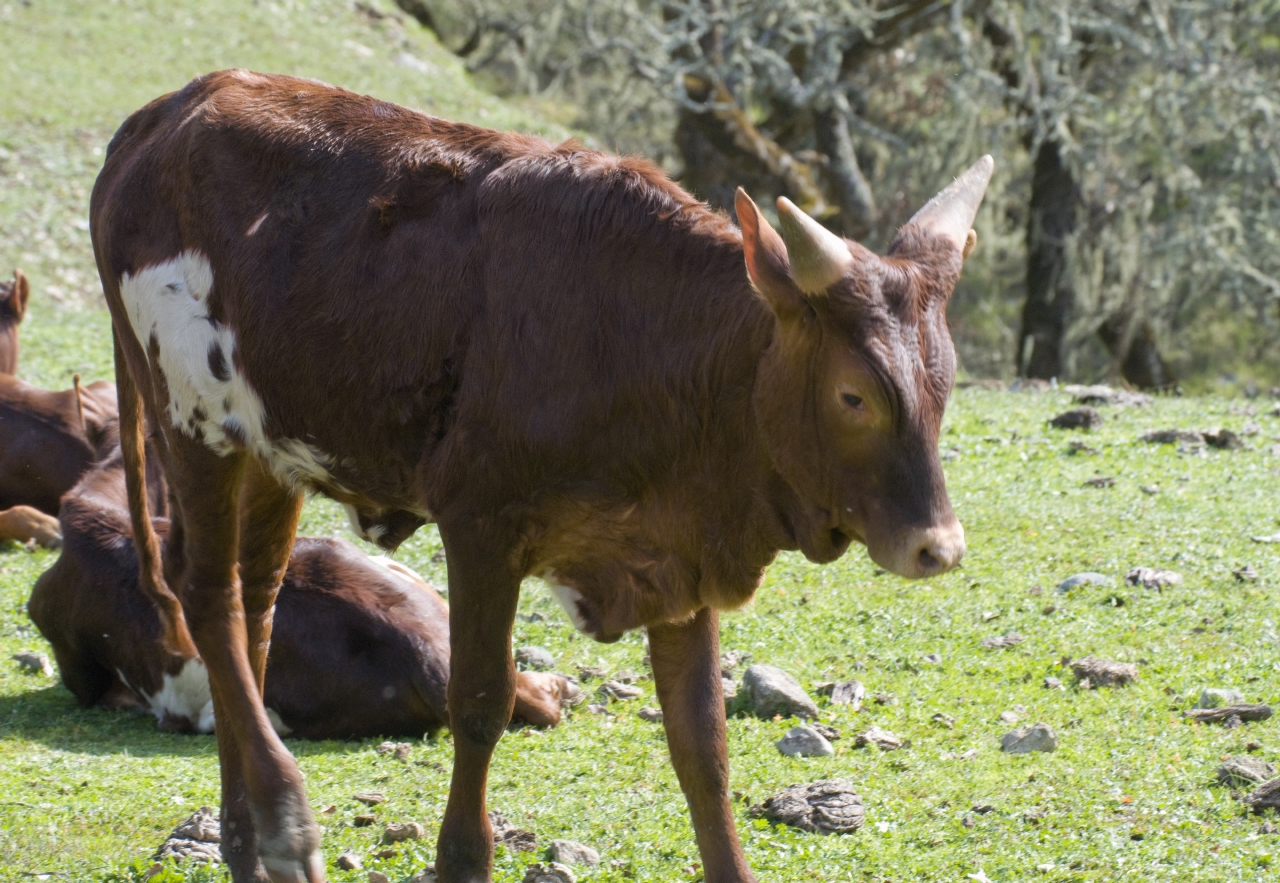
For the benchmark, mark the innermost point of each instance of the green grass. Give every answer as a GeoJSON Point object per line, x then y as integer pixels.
{"type": "Point", "coordinates": [89, 795]}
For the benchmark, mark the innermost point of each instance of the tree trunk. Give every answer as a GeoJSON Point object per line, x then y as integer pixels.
{"type": "Point", "coordinates": [1140, 362]}
{"type": "Point", "coordinates": [853, 194]}
{"type": "Point", "coordinates": [1046, 315]}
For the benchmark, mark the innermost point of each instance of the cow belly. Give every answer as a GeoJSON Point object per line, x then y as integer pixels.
{"type": "Point", "coordinates": [209, 398]}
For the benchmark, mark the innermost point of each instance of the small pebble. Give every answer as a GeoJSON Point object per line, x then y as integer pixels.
{"type": "Point", "coordinates": [882, 739]}
{"type": "Point", "coordinates": [568, 852]}
{"type": "Point", "coordinates": [364, 821]}
{"type": "Point", "coordinates": [1088, 578]}
{"type": "Point", "coordinates": [535, 659]}
{"type": "Point", "coordinates": [426, 875]}
{"type": "Point", "coordinates": [34, 663]}
{"type": "Point", "coordinates": [805, 742]}
{"type": "Point", "coordinates": [371, 798]}
{"type": "Point", "coordinates": [378, 877]}
{"type": "Point", "coordinates": [933, 658]}
{"type": "Point", "coordinates": [349, 861]}
{"type": "Point", "coordinates": [1024, 740]}
{"type": "Point", "coordinates": [1151, 578]}
{"type": "Point", "coordinates": [1009, 717]}
{"type": "Point", "coordinates": [618, 690]}
{"type": "Point", "coordinates": [398, 833]}
{"type": "Point", "coordinates": [1012, 639]}
{"type": "Point", "coordinates": [1084, 417]}
{"type": "Point", "coordinates": [551, 872]}
{"type": "Point", "coordinates": [1052, 683]}
{"type": "Point", "coordinates": [652, 715]}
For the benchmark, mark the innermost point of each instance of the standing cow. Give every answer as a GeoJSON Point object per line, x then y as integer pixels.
{"type": "Point", "coordinates": [556, 355]}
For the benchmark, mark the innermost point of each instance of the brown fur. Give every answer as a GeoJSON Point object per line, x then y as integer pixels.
{"type": "Point", "coordinates": [13, 307]}
{"type": "Point", "coordinates": [23, 524]}
{"type": "Point", "coordinates": [554, 353]}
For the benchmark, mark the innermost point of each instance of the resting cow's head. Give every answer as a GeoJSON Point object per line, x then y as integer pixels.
{"type": "Point", "coordinates": [850, 395]}
{"type": "Point", "coordinates": [13, 306]}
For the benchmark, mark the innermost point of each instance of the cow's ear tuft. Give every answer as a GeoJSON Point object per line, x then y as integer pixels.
{"type": "Point", "coordinates": [766, 256]}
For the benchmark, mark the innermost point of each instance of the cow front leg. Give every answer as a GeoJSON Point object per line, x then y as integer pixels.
{"type": "Point", "coordinates": [483, 591]}
{"type": "Point", "coordinates": [686, 670]}
{"type": "Point", "coordinates": [208, 490]}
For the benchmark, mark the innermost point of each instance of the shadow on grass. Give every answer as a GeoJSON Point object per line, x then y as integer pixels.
{"type": "Point", "coordinates": [51, 717]}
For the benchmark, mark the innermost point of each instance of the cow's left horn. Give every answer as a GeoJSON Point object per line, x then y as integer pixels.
{"type": "Point", "coordinates": [950, 214]}
{"type": "Point", "coordinates": [819, 258]}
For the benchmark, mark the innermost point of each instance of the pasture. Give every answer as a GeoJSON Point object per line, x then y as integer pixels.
{"type": "Point", "coordinates": [1129, 794]}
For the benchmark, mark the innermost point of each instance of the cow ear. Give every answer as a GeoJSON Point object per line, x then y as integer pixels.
{"type": "Point", "coordinates": [15, 305]}
{"type": "Point", "coordinates": [949, 215]}
{"type": "Point", "coordinates": [766, 255]}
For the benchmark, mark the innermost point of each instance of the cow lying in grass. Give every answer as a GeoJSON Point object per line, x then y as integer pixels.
{"type": "Point", "coordinates": [360, 646]}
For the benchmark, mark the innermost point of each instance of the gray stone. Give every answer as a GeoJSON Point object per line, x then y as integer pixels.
{"type": "Point", "coordinates": [882, 739]}
{"type": "Point", "coordinates": [1012, 639]}
{"type": "Point", "coordinates": [34, 663]}
{"type": "Point", "coordinates": [1216, 697]}
{"type": "Point", "coordinates": [1088, 578]}
{"type": "Point", "coordinates": [1024, 740]}
{"type": "Point", "coordinates": [1243, 771]}
{"type": "Point", "coordinates": [805, 742]}
{"type": "Point", "coordinates": [729, 687]}
{"type": "Point", "coordinates": [652, 715]}
{"type": "Point", "coordinates": [1265, 796]}
{"type": "Point", "coordinates": [827, 807]}
{"type": "Point", "coordinates": [551, 872]}
{"type": "Point", "coordinates": [349, 861]}
{"type": "Point", "coordinates": [771, 691]}
{"type": "Point", "coordinates": [534, 659]}
{"type": "Point", "coordinates": [848, 693]}
{"type": "Point", "coordinates": [567, 852]}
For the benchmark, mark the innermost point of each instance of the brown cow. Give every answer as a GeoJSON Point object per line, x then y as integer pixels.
{"type": "Point", "coordinates": [25, 524]}
{"type": "Point", "coordinates": [48, 439]}
{"type": "Point", "coordinates": [13, 306]}
{"type": "Point", "coordinates": [360, 646]}
{"type": "Point", "coordinates": [555, 354]}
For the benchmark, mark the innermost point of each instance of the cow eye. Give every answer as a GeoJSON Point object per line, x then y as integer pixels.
{"type": "Point", "coordinates": [852, 400]}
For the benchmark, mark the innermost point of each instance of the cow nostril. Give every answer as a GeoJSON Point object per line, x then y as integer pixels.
{"type": "Point", "coordinates": [929, 563]}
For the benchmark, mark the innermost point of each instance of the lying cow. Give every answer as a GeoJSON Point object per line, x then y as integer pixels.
{"type": "Point", "coordinates": [569, 364]}
{"type": "Point", "coordinates": [360, 645]}
{"type": "Point", "coordinates": [13, 306]}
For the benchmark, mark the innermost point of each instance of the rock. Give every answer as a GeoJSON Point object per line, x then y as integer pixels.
{"type": "Point", "coordinates": [1078, 418]}
{"type": "Point", "coordinates": [1012, 639]}
{"type": "Point", "coordinates": [1150, 578]}
{"type": "Point", "coordinates": [1225, 713]}
{"type": "Point", "coordinates": [1223, 439]}
{"type": "Point", "coordinates": [551, 872]}
{"type": "Point", "coordinates": [1271, 538]}
{"type": "Point", "coordinates": [426, 875]}
{"type": "Point", "coordinates": [1149, 489]}
{"type": "Point", "coordinates": [591, 673]}
{"type": "Point", "coordinates": [534, 659]}
{"type": "Point", "coordinates": [618, 690]}
{"type": "Point", "coordinates": [513, 838]}
{"type": "Point", "coordinates": [882, 739]}
{"type": "Point", "coordinates": [731, 660]}
{"type": "Point", "coordinates": [398, 833]}
{"type": "Point", "coordinates": [1101, 673]}
{"type": "Point", "coordinates": [1087, 578]}
{"type": "Point", "coordinates": [1105, 395]}
{"type": "Point", "coordinates": [378, 877]}
{"type": "Point", "coordinates": [772, 691]}
{"type": "Point", "coordinates": [729, 687]}
{"type": "Point", "coordinates": [1099, 481]}
{"type": "Point", "coordinates": [1052, 683]}
{"type": "Point", "coordinates": [652, 715]}
{"type": "Point", "coordinates": [399, 750]}
{"type": "Point", "coordinates": [597, 708]}
{"type": "Point", "coordinates": [944, 720]}
{"type": "Point", "coordinates": [1216, 697]}
{"type": "Point", "coordinates": [1024, 740]}
{"type": "Point", "coordinates": [1268, 827]}
{"type": "Point", "coordinates": [371, 798]}
{"type": "Point", "coordinates": [567, 852]}
{"type": "Point", "coordinates": [1245, 574]}
{"type": "Point", "coordinates": [1244, 771]}
{"type": "Point", "coordinates": [1172, 436]}
{"type": "Point", "coordinates": [1265, 796]}
{"type": "Point", "coordinates": [198, 838]}
{"type": "Point", "coordinates": [349, 861]}
{"type": "Point", "coordinates": [933, 658]}
{"type": "Point", "coordinates": [827, 807]}
{"type": "Point", "coordinates": [1010, 717]}
{"type": "Point", "coordinates": [805, 742]}
{"type": "Point", "coordinates": [34, 663]}
{"type": "Point", "coordinates": [364, 820]}
{"type": "Point", "coordinates": [626, 676]}
{"type": "Point", "coordinates": [848, 693]}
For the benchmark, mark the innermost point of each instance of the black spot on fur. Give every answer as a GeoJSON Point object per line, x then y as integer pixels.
{"type": "Point", "coordinates": [218, 362]}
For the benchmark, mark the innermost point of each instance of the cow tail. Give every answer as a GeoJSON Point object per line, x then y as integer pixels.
{"type": "Point", "coordinates": [75, 382]}
{"type": "Point", "coordinates": [145, 540]}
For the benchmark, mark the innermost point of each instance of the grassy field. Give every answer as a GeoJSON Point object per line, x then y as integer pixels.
{"type": "Point", "coordinates": [1129, 795]}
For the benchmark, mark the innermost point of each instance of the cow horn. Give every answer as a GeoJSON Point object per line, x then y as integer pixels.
{"type": "Point", "coordinates": [950, 214]}
{"type": "Point", "coordinates": [819, 258]}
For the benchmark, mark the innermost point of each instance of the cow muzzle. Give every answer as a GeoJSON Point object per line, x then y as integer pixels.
{"type": "Point", "coordinates": [923, 552]}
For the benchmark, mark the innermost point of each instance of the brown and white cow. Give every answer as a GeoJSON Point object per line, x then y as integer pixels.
{"type": "Point", "coordinates": [555, 354]}
{"type": "Point", "coordinates": [359, 647]}
{"type": "Point", "coordinates": [13, 307]}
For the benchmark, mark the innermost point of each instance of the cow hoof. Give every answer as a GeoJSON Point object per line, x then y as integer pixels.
{"type": "Point", "coordinates": [282, 870]}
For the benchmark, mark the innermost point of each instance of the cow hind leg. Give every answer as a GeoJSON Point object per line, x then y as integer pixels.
{"type": "Point", "coordinates": [483, 591]}
{"type": "Point", "coordinates": [261, 782]}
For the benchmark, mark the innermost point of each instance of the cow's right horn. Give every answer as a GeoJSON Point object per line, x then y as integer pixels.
{"type": "Point", "coordinates": [950, 214]}
{"type": "Point", "coordinates": [819, 258]}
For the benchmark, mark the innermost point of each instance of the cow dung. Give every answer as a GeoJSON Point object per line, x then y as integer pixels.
{"type": "Point", "coordinates": [1012, 639]}
{"type": "Point", "coordinates": [1092, 672]}
{"type": "Point", "coordinates": [398, 833]}
{"type": "Point", "coordinates": [1078, 418]}
{"type": "Point", "coordinates": [349, 861]}
{"type": "Point", "coordinates": [1151, 578]}
{"type": "Point", "coordinates": [198, 838]}
{"type": "Point", "coordinates": [513, 838]}
{"type": "Point", "coordinates": [1245, 771]}
{"type": "Point", "coordinates": [551, 872]}
{"type": "Point", "coordinates": [827, 807]}
{"type": "Point", "coordinates": [1265, 796]}
{"type": "Point", "coordinates": [1231, 715]}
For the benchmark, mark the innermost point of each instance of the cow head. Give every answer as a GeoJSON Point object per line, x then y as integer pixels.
{"type": "Point", "coordinates": [13, 306]}
{"type": "Point", "coordinates": [851, 392]}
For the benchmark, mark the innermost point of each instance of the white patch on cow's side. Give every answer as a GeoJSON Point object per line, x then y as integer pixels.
{"type": "Point", "coordinates": [277, 723]}
{"type": "Point", "coordinates": [184, 695]}
{"type": "Point", "coordinates": [568, 598]}
{"type": "Point", "coordinates": [168, 303]}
